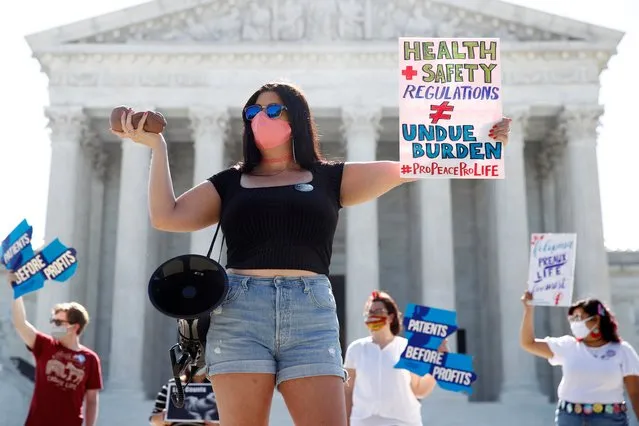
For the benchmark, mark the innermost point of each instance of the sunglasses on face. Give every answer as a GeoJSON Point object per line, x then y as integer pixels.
{"type": "Point", "coordinates": [271, 110]}
{"type": "Point", "coordinates": [58, 322]}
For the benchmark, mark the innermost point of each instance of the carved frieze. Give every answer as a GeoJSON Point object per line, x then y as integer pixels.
{"type": "Point", "coordinates": [315, 20]}
{"type": "Point", "coordinates": [114, 70]}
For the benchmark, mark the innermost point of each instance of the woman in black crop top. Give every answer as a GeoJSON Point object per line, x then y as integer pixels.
{"type": "Point", "coordinates": [278, 209]}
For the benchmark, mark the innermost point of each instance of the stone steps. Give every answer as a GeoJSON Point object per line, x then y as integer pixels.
{"type": "Point", "coordinates": [441, 409]}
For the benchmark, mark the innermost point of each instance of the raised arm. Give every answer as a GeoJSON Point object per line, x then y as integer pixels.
{"type": "Point", "coordinates": [24, 328]}
{"type": "Point", "coordinates": [422, 386]}
{"type": "Point", "coordinates": [196, 209]}
{"type": "Point", "coordinates": [362, 182]}
{"type": "Point", "coordinates": [527, 332]}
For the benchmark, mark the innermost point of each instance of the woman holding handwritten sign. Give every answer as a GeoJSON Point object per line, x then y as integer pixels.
{"type": "Point", "coordinates": [277, 326]}
{"type": "Point", "coordinates": [378, 394]}
{"type": "Point", "coordinates": [596, 365]}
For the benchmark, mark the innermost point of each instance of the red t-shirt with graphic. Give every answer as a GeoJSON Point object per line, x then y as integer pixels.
{"type": "Point", "coordinates": [61, 380]}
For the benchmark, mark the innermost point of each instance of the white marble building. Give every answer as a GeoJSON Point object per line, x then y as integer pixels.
{"type": "Point", "coordinates": [457, 244]}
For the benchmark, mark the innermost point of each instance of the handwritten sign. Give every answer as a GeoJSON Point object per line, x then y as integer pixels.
{"type": "Point", "coordinates": [199, 404]}
{"type": "Point", "coordinates": [55, 262]}
{"type": "Point", "coordinates": [449, 99]}
{"type": "Point", "coordinates": [551, 272]}
{"type": "Point", "coordinates": [426, 328]}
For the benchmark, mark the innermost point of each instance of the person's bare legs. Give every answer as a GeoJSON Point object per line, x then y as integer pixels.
{"type": "Point", "coordinates": [244, 399]}
{"type": "Point", "coordinates": [315, 401]}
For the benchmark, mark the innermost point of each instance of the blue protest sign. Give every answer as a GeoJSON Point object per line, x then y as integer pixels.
{"type": "Point", "coordinates": [17, 246]}
{"type": "Point", "coordinates": [55, 262]}
{"type": "Point", "coordinates": [426, 328]}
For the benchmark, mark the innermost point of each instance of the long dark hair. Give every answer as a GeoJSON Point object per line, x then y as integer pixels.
{"type": "Point", "coordinates": [608, 326]}
{"type": "Point", "coordinates": [303, 128]}
{"type": "Point", "coordinates": [391, 307]}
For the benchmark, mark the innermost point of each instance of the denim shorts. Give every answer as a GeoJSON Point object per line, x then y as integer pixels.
{"type": "Point", "coordinates": [285, 326]}
{"type": "Point", "coordinates": [562, 418]}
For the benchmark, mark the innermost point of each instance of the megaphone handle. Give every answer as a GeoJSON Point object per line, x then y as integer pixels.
{"type": "Point", "coordinates": [178, 394]}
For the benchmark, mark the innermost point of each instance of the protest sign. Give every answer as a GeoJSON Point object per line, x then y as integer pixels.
{"type": "Point", "coordinates": [199, 404]}
{"type": "Point", "coordinates": [551, 272]}
{"type": "Point", "coordinates": [17, 246]}
{"type": "Point", "coordinates": [426, 328]}
{"type": "Point", "coordinates": [54, 262]}
{"type": "Point", "coordinates": [449, 99]}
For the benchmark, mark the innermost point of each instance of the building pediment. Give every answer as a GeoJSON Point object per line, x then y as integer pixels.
{"type": "Point", "coordinates": [233, 21]}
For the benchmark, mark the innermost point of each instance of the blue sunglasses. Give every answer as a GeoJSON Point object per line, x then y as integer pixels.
{"type": "Point", "coordinates": [272, 111]}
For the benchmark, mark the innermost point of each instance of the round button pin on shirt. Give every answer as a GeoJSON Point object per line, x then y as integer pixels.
{"type": "Point", "coordinates": [304, 187]}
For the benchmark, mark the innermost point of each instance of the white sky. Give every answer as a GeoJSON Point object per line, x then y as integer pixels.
{"type": "Point", "coordinates": [25, 148]}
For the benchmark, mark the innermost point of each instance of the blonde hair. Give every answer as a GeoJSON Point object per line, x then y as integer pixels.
{"type": "Point", "coordinates": [76, 314]}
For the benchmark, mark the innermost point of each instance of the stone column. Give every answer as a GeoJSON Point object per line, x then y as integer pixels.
{"type": "Point", "coordinates": [591, 271]}
{"type": "Point", "coordinates": [89, 144]}
{"type": "Point", "coordinates": [131, 271]}
{"type": "Point", "coordinates": [513, 246]}
{"type": "Point", "coordinates": [437, 259]}
{"type": "Point", "coordinates": [210, 128]}
{"type": "Point", "coordinates": [624, 310]}
{"type": "Point", "coordinates": [554, 319]}
{"type": "Point", "coordinates": [68, 126]}
{"type": "Point", "coordinates": [99, 162]}
{"type": "Point", "coordinates": [360, 128]}
{"type": "Point", "coordinates": [437, 247]}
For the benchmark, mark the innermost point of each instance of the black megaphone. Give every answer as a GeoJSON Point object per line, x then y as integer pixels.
{"type": "Point", "coordinates": [188, 288]}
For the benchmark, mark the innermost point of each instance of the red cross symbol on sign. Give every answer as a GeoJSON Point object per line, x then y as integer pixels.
{"type": "Point", "coordinates": [409, 72]}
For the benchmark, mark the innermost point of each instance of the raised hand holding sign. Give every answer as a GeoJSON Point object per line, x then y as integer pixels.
{"type": "Point", "coordinates": [55, 262]}
{"type": "Point", "coordinates": [426, 330]}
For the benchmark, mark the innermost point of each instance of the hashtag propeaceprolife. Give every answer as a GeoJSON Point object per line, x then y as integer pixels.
{"type": "Point", "coordinates": [462, 169]}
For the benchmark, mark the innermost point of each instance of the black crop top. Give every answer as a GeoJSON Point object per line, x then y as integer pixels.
{"type": "Point", "coordinates": [283, 227]}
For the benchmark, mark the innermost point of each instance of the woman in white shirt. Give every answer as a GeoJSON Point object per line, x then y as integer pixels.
{"type": "Point", "coordinates": [377, 394]}
{"type": "Point", "coordinates": [595, 362]}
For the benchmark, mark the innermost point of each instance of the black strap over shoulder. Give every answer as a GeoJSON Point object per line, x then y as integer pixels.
{"type": "Point", "coordinates": [208, 254]}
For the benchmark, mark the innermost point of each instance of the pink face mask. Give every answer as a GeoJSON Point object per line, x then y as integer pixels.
{"type": "Point", "coordinates": [270, 133]}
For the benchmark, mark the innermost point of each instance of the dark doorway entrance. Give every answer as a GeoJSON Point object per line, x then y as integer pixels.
{"type": "Point", "coordinates": [339, 291]}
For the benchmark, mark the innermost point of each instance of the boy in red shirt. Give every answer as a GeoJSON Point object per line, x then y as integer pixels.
{"type": "Point", "coordinates": [68, 375]}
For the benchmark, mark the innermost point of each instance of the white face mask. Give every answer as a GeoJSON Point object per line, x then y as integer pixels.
{"type": "Point", "coordinates": [579, 328]}
{"type": "Point", "coordinates": [59, 331]}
